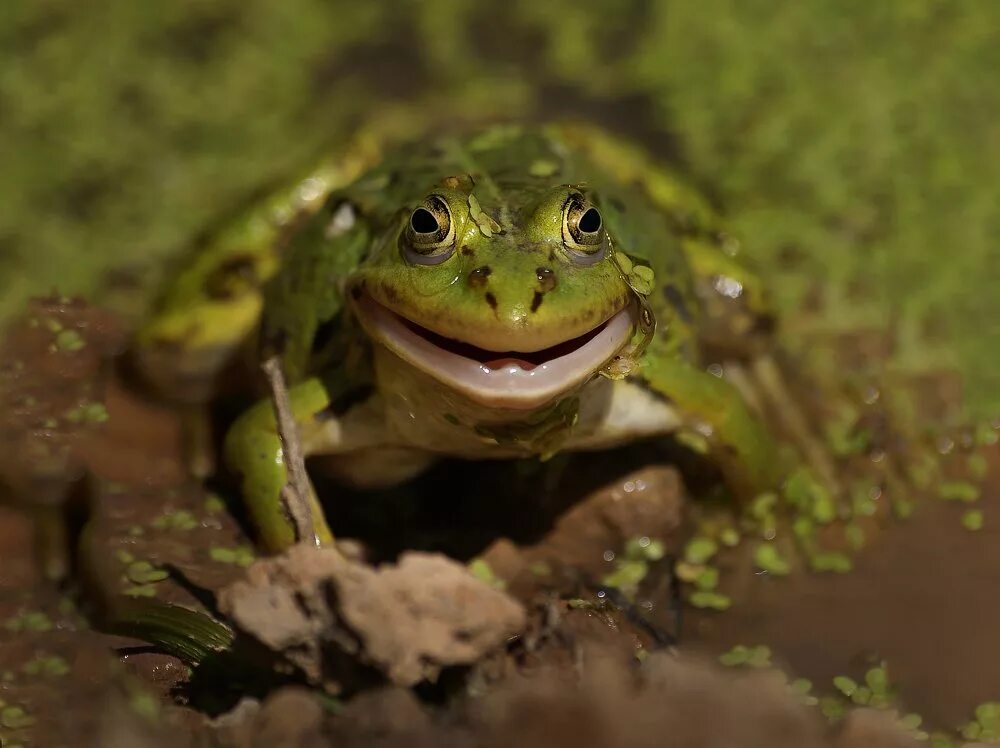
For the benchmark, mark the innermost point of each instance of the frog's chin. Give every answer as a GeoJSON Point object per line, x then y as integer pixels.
{"type": "Point", "coordinates": [506, 379]}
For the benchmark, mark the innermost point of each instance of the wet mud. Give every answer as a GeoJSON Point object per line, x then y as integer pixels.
{"type": "Point", "coordinates": [609, 650]}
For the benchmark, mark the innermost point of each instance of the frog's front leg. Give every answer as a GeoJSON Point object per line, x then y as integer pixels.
{"type": "Point", "coordinates": [253, 450]}
{"type": "Point", "coordinates": [737, 440]}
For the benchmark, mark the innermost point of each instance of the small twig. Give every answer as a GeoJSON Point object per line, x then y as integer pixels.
{"type": "Point", "coordinates": [295, 493]}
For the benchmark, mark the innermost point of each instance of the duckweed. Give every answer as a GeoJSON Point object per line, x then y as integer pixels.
{"type": "Point", "coordinates": [875, 692]}
{"type": "Point", "coordinates": [241, 555]}
{"type": "Point", "coordinates": [710, 600]}
{"type": "Point", "coordinates": [141, 590]}
{"type": "Point", "coordinates": [707, 579]}
{"type": "Point", "coordinates": [973, 520]}
{"type": "Point", "coordinates": [632, 564]}
{"type": "Point", "coordinates": [958, 491]}
{"type": "Point", "coordinates": [88, 413]}
{"type": "Point", "coordinates": [14, 718]}
{"type": "Point", "coordinates": [809, 497]}
{"type": "Point", "coordinates": [768, 558]}
{"type": "Point", "coordinates": [985, 727]}
{"type": "Point", "coordinates": [758, 656]}
{"type": "Point", "coordinates": [729, 537]}
{"type": "Point", "coordinates": [482, 571]}
{"type": "Point", "coordinates": [29, 621]}
{"type": "Point", "coordinates": [214, 504]}
{"type": "Point", "coordinates": [830, 561]}
{"type": "Point", "coordinates": [699, 550]}
{"type": "Point", "coordinates": [46, 665]}
{"type": "Point", "coordinates": [143, 572]}
{"type": "Point", "coordinates": [977, 466]}
{"type": "Point", "coordinates": [832, 708]}
{"type": "Point", "coordinates": [802, 688]}
{"type": "Point", "coordinates": [855, 536]}
{"type": "Point", "coordinates": [69, 341]}
{"type": "Point", "coordinates": [181, 519]}
{"type": "Point", "coordinates": [902, 508]}
{"type": "Point", "coordinates": [540, 569]}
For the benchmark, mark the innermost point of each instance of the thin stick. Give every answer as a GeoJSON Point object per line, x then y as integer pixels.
{"type": "Point", "coordinates": [295, 493]}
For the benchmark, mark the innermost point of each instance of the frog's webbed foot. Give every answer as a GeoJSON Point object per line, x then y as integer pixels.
{"type": "Point", "coordinates": [762, 383]}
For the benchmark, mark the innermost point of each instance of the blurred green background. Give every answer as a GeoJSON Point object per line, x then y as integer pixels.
{"type": "Point", "coordinates": [855, 146]}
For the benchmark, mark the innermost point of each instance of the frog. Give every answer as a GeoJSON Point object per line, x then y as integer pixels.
{"type": "Point", "coordinates": [507, 291]}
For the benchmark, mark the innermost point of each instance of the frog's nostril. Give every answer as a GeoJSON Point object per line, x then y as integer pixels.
{"type": "Point", "coordinates": [546, 279]}
{"type": "Point", "coordinates": [478, 277]}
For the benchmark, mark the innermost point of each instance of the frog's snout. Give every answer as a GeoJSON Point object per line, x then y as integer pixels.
{"type": "Point", "coordinates": [522, 294]}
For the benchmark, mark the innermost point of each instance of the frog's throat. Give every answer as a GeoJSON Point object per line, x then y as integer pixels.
{"type": "Point", "coordinates": [498, 379]}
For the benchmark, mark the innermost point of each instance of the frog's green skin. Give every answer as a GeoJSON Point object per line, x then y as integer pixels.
{"type": "Point", "coordinates": [613, 326]}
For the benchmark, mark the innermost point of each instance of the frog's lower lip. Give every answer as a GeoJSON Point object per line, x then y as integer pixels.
{"type": "Point", "coordinates": [504, 379]}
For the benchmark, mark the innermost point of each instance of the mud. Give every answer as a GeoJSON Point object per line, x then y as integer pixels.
{"type": "Point", "coordinates": [580, 633]}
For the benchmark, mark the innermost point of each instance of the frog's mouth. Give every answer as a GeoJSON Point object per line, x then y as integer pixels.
{"type": "Point", "coordinates": [506, 379]}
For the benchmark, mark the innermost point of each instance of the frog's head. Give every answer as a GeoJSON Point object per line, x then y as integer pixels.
{"type": "Point", "coordinates": [510, 297]}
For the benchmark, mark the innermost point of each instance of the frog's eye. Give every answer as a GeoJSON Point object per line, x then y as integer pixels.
{"type": "Point", "coordinates": [583, 227]}
{"type": "Point", "coordinates": [430, 233]}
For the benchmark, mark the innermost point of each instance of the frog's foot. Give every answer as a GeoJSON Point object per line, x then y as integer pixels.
{"type": "Point", "coordinates": [254, 451]}
{"type": "Point", "coordinates": [775, 398]}
{"type": "Point", "coordinates": [506, 379]}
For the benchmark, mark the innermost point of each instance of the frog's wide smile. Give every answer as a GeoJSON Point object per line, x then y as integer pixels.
{"type": "Point", "coordinates": [508, 379]}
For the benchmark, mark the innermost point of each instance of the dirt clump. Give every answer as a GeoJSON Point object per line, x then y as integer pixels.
{"type": "Point", "coordinates": [330, 616]}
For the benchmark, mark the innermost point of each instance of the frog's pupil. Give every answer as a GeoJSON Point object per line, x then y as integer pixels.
{"type": "Point", "coordinates": [590, 221]}
{"type": "Point", "coordinates": [423, 221]}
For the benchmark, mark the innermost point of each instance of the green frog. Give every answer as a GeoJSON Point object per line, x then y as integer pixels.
{"type": "Point", "coordinates": [504, 293]}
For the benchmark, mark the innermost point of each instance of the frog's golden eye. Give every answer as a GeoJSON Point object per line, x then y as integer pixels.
{"type": "Point", "coordinates": [583, 226]}
{"type": "Point", "coordinates": [429, 230]}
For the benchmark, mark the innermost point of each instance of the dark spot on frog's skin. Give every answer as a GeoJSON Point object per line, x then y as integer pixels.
{"type": "Point", "coordinates": [232, 277]}
{"type": "Point", "coordinates": [676, 299]}
{"type": "Point", "coordinates": [467, 250]}
{"type": "Point", "coordinates": [536, 301]}
{"type": "Point", "coordinates": [390, 293]}
{"type": "Point", "coordinates": [491, 300]}
{"type": "Point", "coordinates": [356, 291]}
{"type": "Point", "coordinates": [546, 279]}
{"type": "Point", "coordinates": [552, 255]}
{"type": "Point", "coordinates": [477, 278]}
